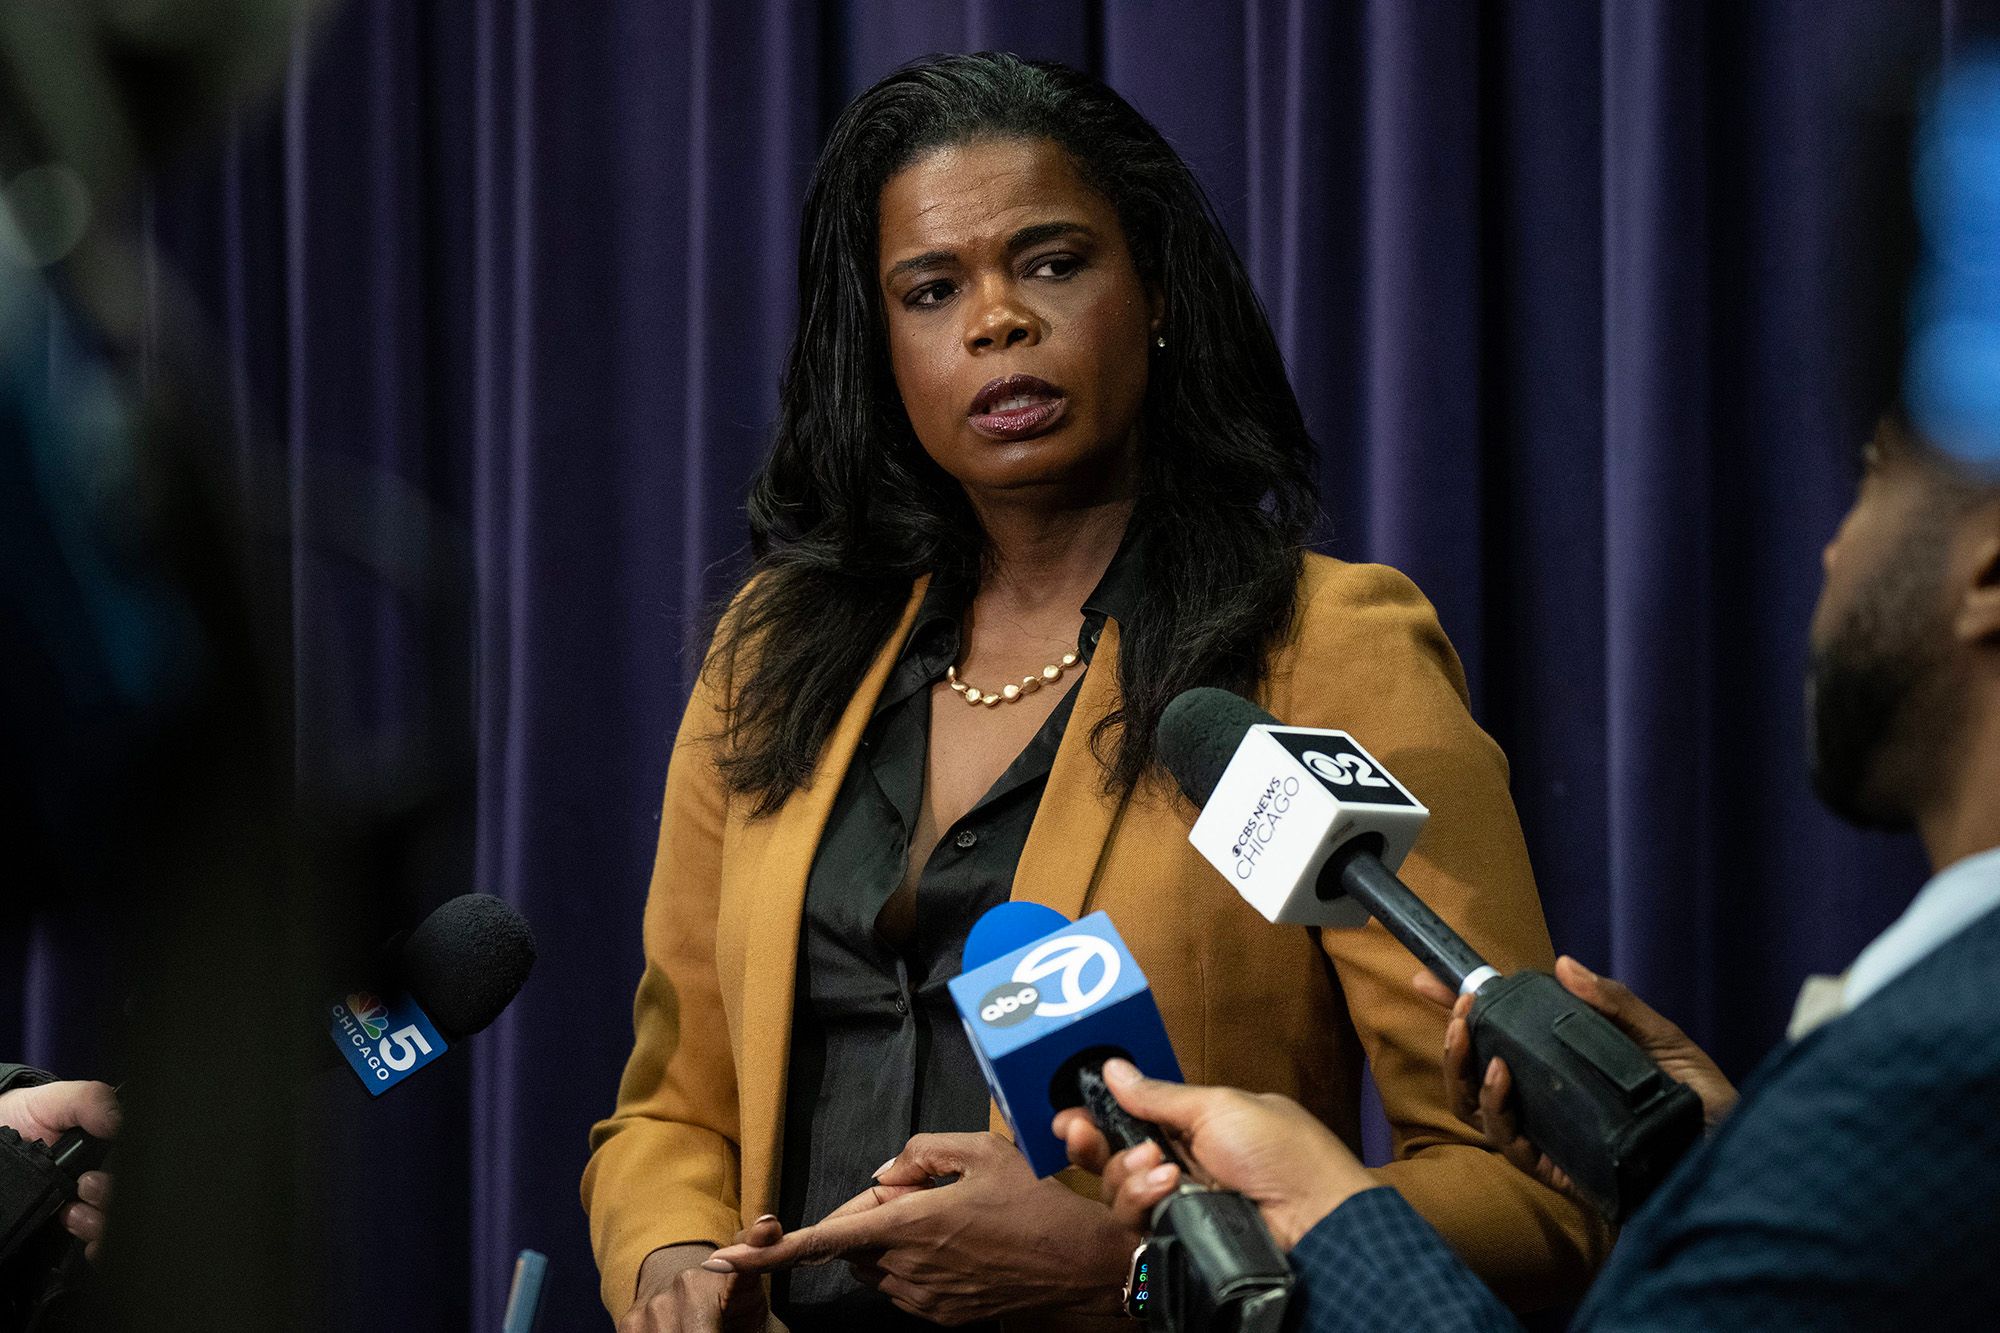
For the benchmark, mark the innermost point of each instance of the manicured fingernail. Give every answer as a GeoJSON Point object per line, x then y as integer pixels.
{"type": "Point", "coordinates": [1492, 1071]}
{"type": "Point", "coordinates": [767, 1217]}
{"type": "Point", "coordinates": [877, 1173]}
{"type": "Point", "coordinates": [1120, 1072]}
{"type": "Point", "coordinates": [1160, 1175]}
{"type": "Point", "coordinates": [1588, 975]}
{"type": "Point", "coordinates": [718, 1265]}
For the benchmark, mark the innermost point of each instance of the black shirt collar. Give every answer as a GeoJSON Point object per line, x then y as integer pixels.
{"type": "Point", "coordinates": [1116, 596]}
{"type": "Point", "coordinates": [934, 638]}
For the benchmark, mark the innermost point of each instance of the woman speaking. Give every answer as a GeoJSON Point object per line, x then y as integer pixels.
{"type": "Point", "coordinates": [1038, 469]}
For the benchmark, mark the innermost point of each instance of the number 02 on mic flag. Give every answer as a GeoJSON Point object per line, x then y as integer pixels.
{"type": "Point", "coordinates": [1032, 1012]}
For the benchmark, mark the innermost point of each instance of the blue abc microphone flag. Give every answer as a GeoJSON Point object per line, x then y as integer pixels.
{"type": "Point", "coordinates": [1036, 1012]}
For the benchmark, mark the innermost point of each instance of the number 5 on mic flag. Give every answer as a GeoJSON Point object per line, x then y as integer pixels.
{"type": "Point", "coordinates": [385, 1040]}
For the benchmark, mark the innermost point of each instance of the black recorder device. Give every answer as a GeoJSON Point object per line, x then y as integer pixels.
{"type": "Point", "coordinates": [1309, 827]}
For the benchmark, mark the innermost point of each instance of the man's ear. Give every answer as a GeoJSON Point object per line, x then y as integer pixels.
{"type": "Point", "coordinates": [1979, 609]}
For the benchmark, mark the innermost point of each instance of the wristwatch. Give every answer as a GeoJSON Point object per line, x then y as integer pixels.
{"type": "Point", "coordinates": [1139, 1281]}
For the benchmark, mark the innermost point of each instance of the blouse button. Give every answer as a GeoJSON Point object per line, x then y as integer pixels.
{"type": "Point", "coordinates": [902, 1005]}
{"type": "Point", "coordinates": [966, 838]}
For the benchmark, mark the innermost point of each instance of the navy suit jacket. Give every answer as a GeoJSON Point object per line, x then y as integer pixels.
{"type": "Point", "coordinates": [1857, 1185]}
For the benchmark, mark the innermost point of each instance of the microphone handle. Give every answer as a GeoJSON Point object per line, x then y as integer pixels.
{"type": "Point", "coordinates": [1358, 872]}
{"type": "Point", "coordinates": [1587, 1096]}
{"type": "Point", "coordinates": [1121, 1129]}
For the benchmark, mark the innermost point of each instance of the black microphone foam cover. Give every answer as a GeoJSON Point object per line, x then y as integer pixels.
{"type": "Point", "coordinates": [1199, 733]}
{"type": "Point", "coordinates": [464, 964]}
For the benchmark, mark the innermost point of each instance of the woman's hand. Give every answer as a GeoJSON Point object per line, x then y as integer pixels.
{"type": "Point", "coordinates": [994, 1241]}
{"type": "Point", "coordinates": [1265, 1146]}
{"type": "Point", "coordinates": [677, 1296]}
{"type": "Point", "coordinates": [1480, 1097]}
{"type": "Point", "coordinates": [48, 1110]}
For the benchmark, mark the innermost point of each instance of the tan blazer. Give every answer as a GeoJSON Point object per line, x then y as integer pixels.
{"type": "Point", "coordinates": [692, 1150]}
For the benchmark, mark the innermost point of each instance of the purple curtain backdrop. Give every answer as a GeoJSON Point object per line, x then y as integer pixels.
{"type": "Point", "coordinates": [1555, 281]}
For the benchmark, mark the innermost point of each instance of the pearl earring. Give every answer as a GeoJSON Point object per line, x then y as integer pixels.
{"type": "Point", "coordinates": [1160, 341]}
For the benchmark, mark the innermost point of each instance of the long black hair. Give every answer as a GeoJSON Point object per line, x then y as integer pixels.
{"type": "Point", "coordinates": [848, 509]}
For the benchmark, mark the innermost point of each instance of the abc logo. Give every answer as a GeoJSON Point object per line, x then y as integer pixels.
{"type": "Point", "coordinates": [1067, 959]}
{"type": "Point", "coordinates": [1008, 1003]}
{"type": "Point", "coordinates": [1080, 970]}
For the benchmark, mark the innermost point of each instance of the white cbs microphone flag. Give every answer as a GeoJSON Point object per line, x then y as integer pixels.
{"type": "Point", "coordinates": [1289, 797]}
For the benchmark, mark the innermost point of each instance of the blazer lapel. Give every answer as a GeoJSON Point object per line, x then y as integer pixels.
{"type": "Point", "coordinates": [776, 891]}
{"type": "Point", "coordinates": [1072, 827]}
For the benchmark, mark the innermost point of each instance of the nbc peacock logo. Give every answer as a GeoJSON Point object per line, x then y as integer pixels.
{"type": "Point", "coordinates": [369, 1012]}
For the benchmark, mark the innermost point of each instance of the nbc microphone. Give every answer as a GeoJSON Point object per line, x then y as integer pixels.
{"type": "Point", "coordinates": [1310, 828]}
{"type": "Point", "coordinates": [450, 978]}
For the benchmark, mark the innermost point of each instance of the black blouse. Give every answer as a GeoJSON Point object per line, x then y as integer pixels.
{"type": "Point", "coordinates": [878, 1053]}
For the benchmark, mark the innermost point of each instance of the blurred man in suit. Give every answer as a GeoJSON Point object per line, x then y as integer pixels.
{"type": "Point", "coordinates": [1853, 1182]}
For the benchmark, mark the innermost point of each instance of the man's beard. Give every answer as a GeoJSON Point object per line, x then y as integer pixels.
{"type": "Point", "coordinates": [1878, 704]}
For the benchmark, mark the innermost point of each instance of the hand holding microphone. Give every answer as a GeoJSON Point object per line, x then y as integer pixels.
{"type": "Point", "coordinates": [1481, 1095]}
{"type": "Point", "coordinates": [1266, 1147]}
{"type": "Point", "coordinates": [1044, 1015]}
{"type": "Point", "coordinates": [1309, 828]}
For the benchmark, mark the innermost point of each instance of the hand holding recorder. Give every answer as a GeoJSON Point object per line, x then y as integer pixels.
{"type": "Point", "coordinates": [1482, 1096]}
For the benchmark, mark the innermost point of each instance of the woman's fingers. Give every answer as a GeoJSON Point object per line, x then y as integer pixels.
{"type": "Point", "coordinates": [866, 1272]}
{"type": "Point", "coordinates": [872, 1197]}
{"type": "Point", "coordinates": [906, 1296]}
{"type": "Point", "coordinates": [766, 1230]}
{"type": "Point", "coordinates": [927, 1156]}
{"type": "Point", "coordinates": [742, 1309]}
{"type": "Point", "coordinates": [831, 1238]}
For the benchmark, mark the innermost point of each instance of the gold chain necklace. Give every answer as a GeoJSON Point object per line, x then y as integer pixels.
{"type": "Point", "coordinates": [1050, 674]}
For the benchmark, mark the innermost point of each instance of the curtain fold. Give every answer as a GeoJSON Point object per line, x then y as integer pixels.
{"type": "Point", "coordinates": [504, 287]}
{"type": "Point", "coordinates": [1658, 560]}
